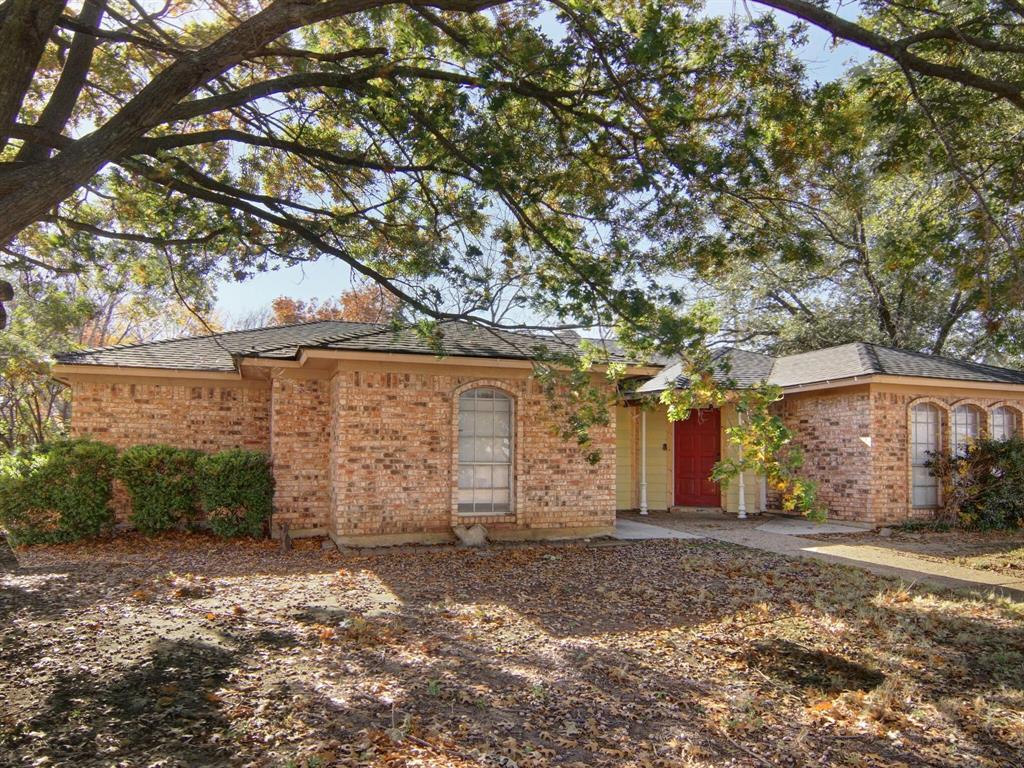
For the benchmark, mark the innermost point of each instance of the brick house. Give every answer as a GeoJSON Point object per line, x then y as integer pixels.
{"type": "Point", "coordinates": [378, 437]}
{"type": "Point", "coordinates": [866, 417]}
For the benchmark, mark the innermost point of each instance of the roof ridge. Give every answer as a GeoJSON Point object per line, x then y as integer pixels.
{"type": "Point", "coordinates": [868, 349]}
{"type": "Point", "coordinates": [219, 334]}
{"type": "Point", "coordinates": [341, 337]}
{"type": "Point", "coordinates": [382, 328]}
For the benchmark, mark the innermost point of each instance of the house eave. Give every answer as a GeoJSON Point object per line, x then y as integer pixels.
{"type": "Point", "coordinates": [63, 370]}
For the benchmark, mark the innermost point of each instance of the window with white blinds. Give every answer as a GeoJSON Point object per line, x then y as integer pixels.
{"type": "Point", "coordinates": [485, 452]}
{"type": "Point", "coordinates": [967, 420]}
{"type": "Point", "coordinates": [925, 439]}
{"type": "Point", "coordinates": [1005, 423]}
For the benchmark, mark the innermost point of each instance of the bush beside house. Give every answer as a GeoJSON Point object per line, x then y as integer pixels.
{"type": "Point", "coordinates": [62, 491]}
{"type": "Point", "coordinates": [161, 485]}
{"type": "Point", "coordinates": [57, 492]}
{"type": "Point", "coordinates": [983, 488]}
{"type": "Point", "coordinates": [236, 491]}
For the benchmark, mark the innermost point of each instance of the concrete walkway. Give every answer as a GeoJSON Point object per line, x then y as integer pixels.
{"type": "Point", "coordinates": [790, 537]}
{"type": "Point", "coordinates": [631, 530]}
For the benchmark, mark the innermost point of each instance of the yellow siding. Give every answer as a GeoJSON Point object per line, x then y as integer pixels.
{"type": "Point", "coordinates": [752, 483]}
{"type": "Point", "coordinates": [659, 458]}
{"type": "Point", "coordinates": [659, 453]}
{"type": "Point", "coordinates": [625, 497]}
{"type": "Point", "coordinates": [659, 461]}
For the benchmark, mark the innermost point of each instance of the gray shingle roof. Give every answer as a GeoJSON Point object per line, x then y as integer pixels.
{"type": "Point", "coordinates": [216, 352]}
{"type": "Point", "coordinates": [739, 365]}
{"type": "Point", "coordinates": [845, 361]}
{"type": "Point", "coordinates": [863, 359]}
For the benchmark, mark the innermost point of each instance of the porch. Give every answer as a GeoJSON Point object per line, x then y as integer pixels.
{"type": "Point", "coordinates": [664, 466]}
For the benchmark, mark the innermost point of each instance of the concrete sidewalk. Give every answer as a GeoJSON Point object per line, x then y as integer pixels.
{"type": "Point", "coordinates": [788, 536]}
{"type": "Point", "coordinates": [880, 560]}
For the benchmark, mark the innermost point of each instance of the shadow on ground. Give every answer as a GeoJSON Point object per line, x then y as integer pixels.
{"type": "Point", "coordinates": [657, 653]}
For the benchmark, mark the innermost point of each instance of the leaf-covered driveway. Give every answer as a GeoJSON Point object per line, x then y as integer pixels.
{"type": "Point", "coordinates": [187, 651]}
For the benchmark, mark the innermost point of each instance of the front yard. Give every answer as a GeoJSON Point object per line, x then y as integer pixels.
{"type": "Point", "coordinates": [191, 651]}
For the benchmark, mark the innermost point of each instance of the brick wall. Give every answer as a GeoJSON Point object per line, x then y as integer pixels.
{"type": "Point", "coordinates": [300, 444]}
{"type": "Point", "coordinates": [834, 430]}
{"type": "Point", "coordinates": [394, 457]}
{"type": "Point", "coordinates": [210, 417]}
{"type": "Point", "coordinates": [856, 444]}
{"type": "Point", "coordinates": [890, 414]}
{"type": "Point", "coordinates": [368, 452]}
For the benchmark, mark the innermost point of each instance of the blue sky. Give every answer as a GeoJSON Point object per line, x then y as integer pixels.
{"type": "Point", "coordinates": [328, 277]}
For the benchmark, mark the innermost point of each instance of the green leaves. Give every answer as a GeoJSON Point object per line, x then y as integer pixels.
{"type": "Point", "coordinates": [161, 485]}
{"type": "Point", "coordinates": [236, 491]}
{"type": "Point", "coordinates": [57, 492]}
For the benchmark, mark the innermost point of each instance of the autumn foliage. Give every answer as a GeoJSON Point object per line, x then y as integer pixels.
{"type": "Point", "coordinates": [367, 304]}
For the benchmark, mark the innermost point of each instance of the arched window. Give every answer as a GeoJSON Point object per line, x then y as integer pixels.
{"type": "Point", "coordinates": [1005, 423]}
{"type": "Point", "coordinates": [485, 452]}
{"type": "Point", "coordinates": [925, 439]}
{"type": "Point", "coordinates": [967, 427]}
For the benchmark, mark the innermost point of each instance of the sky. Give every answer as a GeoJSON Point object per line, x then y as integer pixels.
{"type": "Point", "coordinates": [328, 277]}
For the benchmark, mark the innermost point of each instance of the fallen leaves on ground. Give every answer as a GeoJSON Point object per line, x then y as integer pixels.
{"type": "Point", "coordinates": [189, 651]}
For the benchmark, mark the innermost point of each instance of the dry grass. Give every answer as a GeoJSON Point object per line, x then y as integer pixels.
{"type": "Point", "coordinates": [190, 652]}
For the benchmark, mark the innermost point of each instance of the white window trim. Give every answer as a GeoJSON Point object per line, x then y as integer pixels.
{"type": "Point", "coordinates": [511, 463]}
{"type": "Point", "coordinates": [942, 415]}
{"type": "Point", "coordinates": [957, 447]}
{"type": "Point", "coordinates": [1015, 414]}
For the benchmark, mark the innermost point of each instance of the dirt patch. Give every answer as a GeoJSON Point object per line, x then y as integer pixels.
{"type": "Point", "coordinates": [187, 651]}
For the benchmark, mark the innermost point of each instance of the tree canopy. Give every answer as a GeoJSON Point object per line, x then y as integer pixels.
{"type": "Point", "coordinates": [534, 164]}
{"type": "Point", "coordinates": [464, 154]}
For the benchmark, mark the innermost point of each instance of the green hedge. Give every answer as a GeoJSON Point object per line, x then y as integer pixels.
{"type": "Point", "coordinates": [236, 491]}
{"type": "Point", "coordinates": [57, 492]}
{"type": "Point", "coordinates": [61, 491]}
{"type": "Point", "coordinates": [161, 485]}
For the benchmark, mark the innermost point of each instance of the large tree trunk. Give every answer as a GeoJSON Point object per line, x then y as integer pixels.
{"type": "Point", "coordinates": [27, 25]}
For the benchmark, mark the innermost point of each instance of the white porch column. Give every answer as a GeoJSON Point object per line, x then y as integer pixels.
{"type": "Point", "coordinates": [643, 460]}
{"type": "Point", "coordinates": [764, 494]}
{"type": "Point", "coordinates": [741, 505]}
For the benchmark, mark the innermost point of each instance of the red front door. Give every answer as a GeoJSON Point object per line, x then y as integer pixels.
{"type": "Point", "coordinates": [697, 448]}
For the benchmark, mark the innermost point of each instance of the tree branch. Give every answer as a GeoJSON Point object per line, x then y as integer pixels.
{"type": "Point", "coordinates": [895, 49]}
{"type": "Point", "coordinates": [58, 109]}
{"type": "Point", "coordinates": [26, 28]}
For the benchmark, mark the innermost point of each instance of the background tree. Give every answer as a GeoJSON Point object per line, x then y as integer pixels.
{"type": "Point", "coordinates": [873, 235]}
{"type": "Point", "coordinates": [366, 304]}
{"type": "Point", "coordinates": [115, 299]}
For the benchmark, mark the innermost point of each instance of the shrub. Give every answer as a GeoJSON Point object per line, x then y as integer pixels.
{"type": "Point", "coordinates": [985, 487]}
{"type": "Point", "coordinates": [57, 492]}
{"type": "Point", "coordinates": [236, 489]}
{"type": "Point", "coordinates": [161, 485]}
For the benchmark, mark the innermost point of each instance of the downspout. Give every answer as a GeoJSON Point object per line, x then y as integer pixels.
{"type": "Point", "coordinates": [643, 460]}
